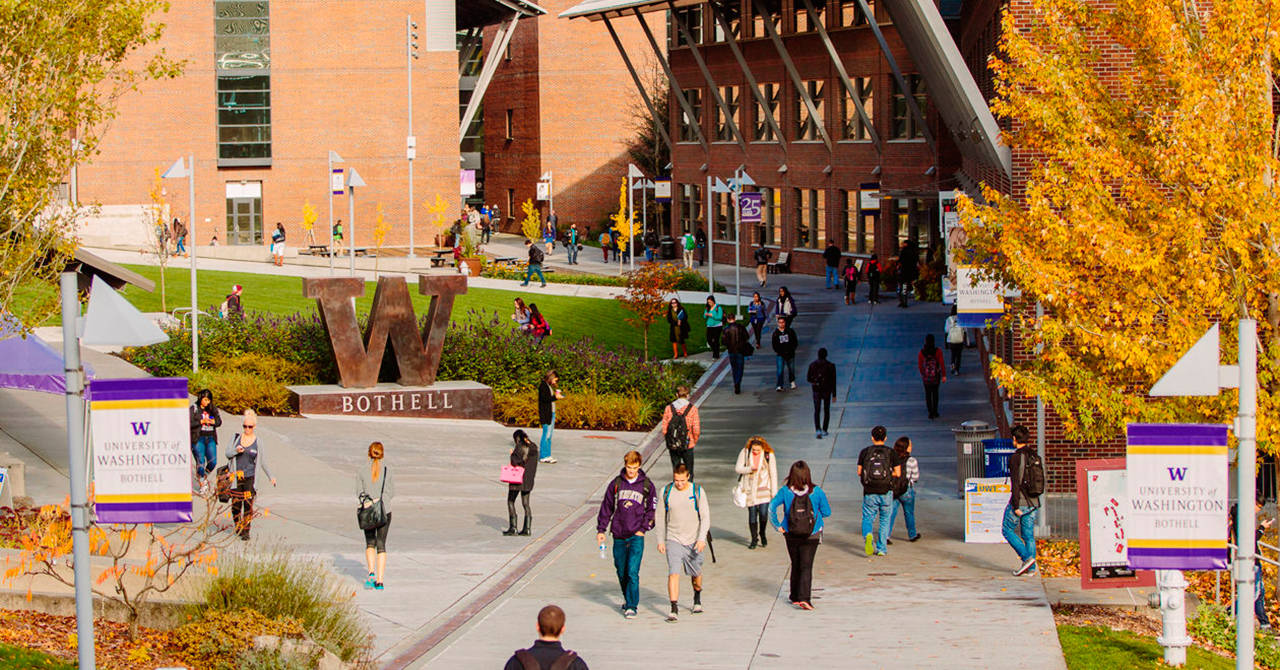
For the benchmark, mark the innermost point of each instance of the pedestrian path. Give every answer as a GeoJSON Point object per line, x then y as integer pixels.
{"type": "Point", "coordinates": [937, 601]}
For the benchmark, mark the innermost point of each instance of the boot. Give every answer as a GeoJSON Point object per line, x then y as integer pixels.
{"type": "Point", "coordinates": [755, 535]}
{"type": "Point", "coordinates": [764, 537]}
{"type": "Point", "coordinates": [525, 530]}
{"type": "Point", "coordinates": [511, 525]}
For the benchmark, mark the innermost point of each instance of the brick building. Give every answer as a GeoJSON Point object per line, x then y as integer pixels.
{"type": "Point", "coordinates": [269, 90]}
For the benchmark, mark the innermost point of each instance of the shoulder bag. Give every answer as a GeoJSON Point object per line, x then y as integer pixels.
{"type": "Point", "coordinates": [371, 514]}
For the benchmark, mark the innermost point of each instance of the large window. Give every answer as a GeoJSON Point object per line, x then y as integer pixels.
{"type": "Point", "coordinates": [724, 133]}
{"type": "Point", "coordinates": [803, 22]}
{"type": "Point", "coordinates": [905, 125]}
{"type": "Point", "coordinates": [691, 17]}
{"type": "Point", "coordinates": [807, 125]}
{"type": "Point", "coordinates": [811, 218]}
{"type": "Point", "coordinates": [861, 213]}
{"type": "Point", "coordinates": [690, 127]}
{"type": "Point", "coordinates": [911, 215]}
{"type": "Point", "coordinates": [771, 92]}
{"type": "Point", "coordinates": [722, 213]}
{"type": "Point", "coordinates": [242, 60]}
{"type": "Point", "coordinates": [769, 230]}
{"type": "Point", "coordinates": [853, 127]}
{"type": "Point", "coordinates": [732, 14]}
{"type": "Point", "coordinates": [758, 19]}
{"type": "Point", "coordinates": [851, 14]}
{"type": "Point", "coordinates": [690, 207]}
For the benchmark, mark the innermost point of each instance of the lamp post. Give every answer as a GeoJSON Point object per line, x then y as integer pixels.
{"type": "Point", "coordinates": [411, 142]}
{"type": "Point", "coordinates": [335, 188]}
{"type": "Point", "coordinates": [353, 180]}
{"type": "Point", "coordinates": [740, 179]}
{"type": "Point", "coordinates": [177, 171]}
{"type": "Point", "coordinates": [633, 173]}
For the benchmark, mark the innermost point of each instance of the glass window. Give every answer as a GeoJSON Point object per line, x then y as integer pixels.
{"type": "Point", "coordinates": [690, 207]}
{"type": "Point", "coordinates": [853, 127]}
{"type": "Point", "coordinates": [807, 125]}
{"type": "Point", "coordinates": [810, 218]}
{"type": "Point", "coordinates": [860, 222]}
{"type": "Point", "coordinates": [732, 14]}
{"type": "Point", "coordinates": [911, 214]}
{"type": "Point", "coordinates": [769, 230]}
{"type": "Point", "coordinates": [803, 22]}
{"type": "Point", "coordinates": [851, 14]}
{"type": "Point", "coordinates": [731, 100]}
{"type": "Point", "coordinates": [691, 17]}
{"type": "Point", "coordinates": [905, 125]}
{"type": "Point", "coordinates": [758, 19]}
{"type": "Point", "coordinates": [689, 127]}
{"type": "Point", "coordinates": [771, 92]}
{"type": "Point", "coordinates": [244, 117]}
{"type": "Point", "coordinates": [510, 123]}
{"type": "Point", "coordinates": [242, 61]}
{"type": "Point", "coordinates": [723, 215]}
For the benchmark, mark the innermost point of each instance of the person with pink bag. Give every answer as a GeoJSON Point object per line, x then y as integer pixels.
{"type": "Point", "coordinates": [519, 476]}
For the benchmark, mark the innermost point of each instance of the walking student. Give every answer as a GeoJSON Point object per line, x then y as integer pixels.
{"type": "Point", "coordinates": [933, 372]}
{"type": "Point", "coordinates": [876, 470]}
{"type": "Point", "coordinates": [784, 347]}
{"type": "Point", "coordinates": [246, 457]}
{"type": "Point", "coordinates": [904, 488]}
{"type": "Point", "coordinates": [804, 506]}
{"type": "Point", "coordinates": [1026, 479]}
{"type": "Point", "coordinates": [737, 343]}
{"type": "Point", "coordinates": [535, 264]}
{"type": "Point", "coordinates": [873, 280]}
{"type": "Point", "coordinates": [757, 469]}
{"type": "Point", "coordinates": [205, 420]}
{"type": "Point", "coordinates": [850, 274]}
{"type": "Point", "coordinates": [547, 653]}
{"type": "Point", "coordinates": [681, 429]}
{"type": "Point", "coordinates": [605, 241]}
{"type": "Point", "coordinates": [335, 234]}
{"type": "Point", "coordinates": [180, 237]}
{"type": "Point", "coordinates": [908, 270]}
{"type": "Point", "coordinates": [786, 305]}
{"type": "Point", "coordinates": [714, 317]}
{"type": "Point", "coordinates": [678, 321]}
{"type": "Point", "coordinates": [955, 339]}
{"type": "Point", "coordinates": [374, 485]}
{"type": "Point", "coordinates": [684, 519]}
{"type": "Point", "coordinates": [571, 243]}
{"type": "Point", "coordinates": [762, 256]}
{"type": "Point", "coordinates": [822, 375]}
{"type": "Point", "coordinates": [757, 312]}
{"type": "Point", "coordinates": [523, 455]}
{"type": "Point", "coordinates": [832, 256]}
{"type": "Point", "coordinates": [277, 243]}
{"type": "Point", "coordinates": [627, 512]}
{"type": "Point", "coordinates": [689, 244]}
{"type": "Point", "coordinates": [548, 394]}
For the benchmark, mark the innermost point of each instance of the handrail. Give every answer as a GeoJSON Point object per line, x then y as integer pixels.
{"type": "Point", "coordinates": [1258, 556]}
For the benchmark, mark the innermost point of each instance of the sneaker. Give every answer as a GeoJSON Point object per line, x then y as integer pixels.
{"type": "Point", "coordinates": [793, 384]}
{"type": "Point", "coordinates": [805, 605]}
{"type": "Point", "coordinates": [672, 616]}
{"type": "Point", "coordinates": [779, 389]}
{"type": "Point", "coordinates": [881, 553]}
{"type": "Point", "coordinates": [913, 539]}
{"type": "Point", "coordinates": [629, 613]}
{"type": "Point", "coordinates": [818, 435]}
{"type": "Point", "coordinates": [377, 586]}
{"type": "Point", "coordinates": [697, 608]}
{"type": "Point", "coordinates": [870, 544]}
{"type": "Point", "coordinates": [369, 581]}
{"type": "Point", "coordinates": [1027, 566]}
{"type": "Point", "coordinates": [549, 459]}
{"type": "Point", "coordinates": [825, 433]}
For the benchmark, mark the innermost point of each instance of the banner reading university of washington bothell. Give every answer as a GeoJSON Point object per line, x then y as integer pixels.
{"type": "Point", "coordinates": [141, 452]}
{"type": "Point", "coordinates": [1177, 486]}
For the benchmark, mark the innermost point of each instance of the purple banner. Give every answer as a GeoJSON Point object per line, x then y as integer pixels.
{"type": "Point", "coordinates": [141, 450]}
{"type": "Point", "coordinates": [751, 205]}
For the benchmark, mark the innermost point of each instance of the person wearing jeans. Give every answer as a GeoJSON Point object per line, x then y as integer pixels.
{"type": "Point", "coordinates": [737, 342]}
{"type": "Point", "coordinates": [832, 257]}
{"type": "Point", "coordinates": [548, 394]}
{"type": "Point", "coordinates": [535, 264]}
{"type": "Point", "coordinates": [876, 469]}
{"type": "Point", "coordinates": [904, 491]}
{"type": "Point", "coordinates": [801, 547]}
{"type": "Point", "coordinates": [205, 420]}
{"type": "Point", "coordinates": [784, 346]}
{"type": "Point", "coordinates": [1019, 526]}
{"type": "Point", "coordinates": [822, 375]}
{"type": "Point", "coordinates": [572, 244]}
{"type": "Point", "coordinates": [627, 511]}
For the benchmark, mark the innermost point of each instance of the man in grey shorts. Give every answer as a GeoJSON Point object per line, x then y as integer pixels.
{"type": "Point", "coordinates": [683, 519]}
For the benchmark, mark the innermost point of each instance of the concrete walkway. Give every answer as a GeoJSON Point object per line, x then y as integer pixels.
{"type": "Point", "coordinates": [930, 603]}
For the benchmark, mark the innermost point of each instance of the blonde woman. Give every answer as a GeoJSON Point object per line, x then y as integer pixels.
{"type": "Point", "coordinates": [246, 458]}
{"type": "Point", "coordinates": [374, 483]}
{"type": "Point", "coordinates": [757, 467]}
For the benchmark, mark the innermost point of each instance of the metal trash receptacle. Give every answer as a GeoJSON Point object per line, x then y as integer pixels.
{"type": "Point", "coordinates": [969, 462]}
{"type": "Point", "coordinates": [995, 456]}
{"type": "Point", "coordinates": [668, 247]}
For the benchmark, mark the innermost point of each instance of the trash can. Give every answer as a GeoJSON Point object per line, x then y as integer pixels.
{"type": "Point", "coordinates": [995, 456]}
{"type": "Point", "coordinates": [969, 463]}
{"type": "Point", "coordinates": [668, 246]}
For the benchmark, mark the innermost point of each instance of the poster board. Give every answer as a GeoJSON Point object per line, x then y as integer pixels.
{"type": "Point", "coordinates": [1101, 500]}
{"type": "Point", "coordinates": [984, 503]}
{"type": "Point", "coordinates": [141, 450]}
{"type": "Point", "coordinates": [979, 302]}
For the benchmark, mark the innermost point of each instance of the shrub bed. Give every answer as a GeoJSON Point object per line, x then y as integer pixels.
{"type": "Point", "coordinates": [689, 280]}
{"type": "Point", "coordinates": [586, 409]}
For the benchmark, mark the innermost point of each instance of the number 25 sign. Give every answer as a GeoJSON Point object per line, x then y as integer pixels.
{"type": "Point", "coordinates": [751, 206]}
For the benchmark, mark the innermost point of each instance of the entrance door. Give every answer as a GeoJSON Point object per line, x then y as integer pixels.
{"type": "Point", "coordinates": [244, 213]}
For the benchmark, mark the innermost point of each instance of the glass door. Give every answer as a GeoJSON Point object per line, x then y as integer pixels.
{"type": "Point", "coordinates": [244, 221]}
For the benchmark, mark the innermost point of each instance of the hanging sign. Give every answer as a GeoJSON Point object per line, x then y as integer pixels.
{"type": "Point", "coordinates": [662, 189]}
{"type": "Point", "coordinates": [751, 205]}
{"type": "Point", "coordinates": [544, 190]}
{"type": "Point", "coordinates": [141, 450]}
{"type": "Point", "coordinates": [978, 301]}
{"type": "Point", "coordinates": [1177, 489]}
{"type": "Point", "coordinates": [467, 182]}
{"type": "Point", "coordinates": [336, 182]}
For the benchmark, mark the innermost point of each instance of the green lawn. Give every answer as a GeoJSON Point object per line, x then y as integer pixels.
{"type": "Point", "coordinates": [16, 658]}
{"type": "Point", "coordinates": [1097, 648]}
{"type": "Point", "coordinates": [570, 317]}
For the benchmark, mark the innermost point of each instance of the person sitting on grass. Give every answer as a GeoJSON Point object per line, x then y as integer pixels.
{"type": "Point", "coordinates": [537, 326]}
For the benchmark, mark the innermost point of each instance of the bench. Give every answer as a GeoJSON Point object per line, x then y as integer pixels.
{"type": "Point", "coordinates": [782, 265]}
{"type": "Point", "coordinates": [316, 250]}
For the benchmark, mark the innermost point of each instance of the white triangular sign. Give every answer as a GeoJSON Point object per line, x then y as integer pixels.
{"type": "Point", "coordinates": [112, 321]}
{"type": "Point", "coordinates": [1196, 373]}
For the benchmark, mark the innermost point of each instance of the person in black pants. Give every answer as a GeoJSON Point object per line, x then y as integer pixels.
{"type": "Point", "coordinates": [822, 375]}
{"type": "Point", "coordinates": [908, 268]}
{"type": "Point", "coordinates": [524, 455]}
{"type": "Point", "coordinates": [873, 280]}
{"type": "Point", "coordinates": [801, 546]}
{"type": "Point", "coordinates": [933, 372]}
{"type": "Point", "coordinates": [246, 457]}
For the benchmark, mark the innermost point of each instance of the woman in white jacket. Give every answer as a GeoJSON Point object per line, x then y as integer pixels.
{"type": "Point", "coordinates": [757, 468]}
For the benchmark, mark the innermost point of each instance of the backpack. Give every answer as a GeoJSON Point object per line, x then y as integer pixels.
{"type": "Point", "coordinates": [878, 470]}
{"type": "Point", "coordinates": [800, 516]}
{"type": "Point", "coordinates": [690, 243]}
{"type": "Point", "coordinates": [666, 498]}
{"type": "Point", "coordinates": [678, 428]}
{"type": "Point", "coordinates": [955, 334]}
{"type": "Point", "coordinates": [1032, 484]}
{"type": "Point", "coordinates": [931, 371]}
{"type": "Point", "coordinates": [535, 255]}
{"type": "Point", "coordinates": [528, 662]}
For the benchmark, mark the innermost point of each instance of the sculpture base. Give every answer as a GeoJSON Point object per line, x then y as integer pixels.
{"type": "Point", "coordinates": [442, 400]}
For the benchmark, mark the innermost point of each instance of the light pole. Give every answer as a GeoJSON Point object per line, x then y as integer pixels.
{"type": "Point", "coordinates": [550, 178]}
{"type": "Point", "coordinates": [633, 173]}
{"type": "Point", "coordinates": [335, 188]}
{"type": "Point", "coordinates": [411, 142]}
{"type": "Point", "coordinates": [353, 180]}
{"type": "Point", "coordinates": [740, 179]}
{"type": "Point", "coordinates": [177, 171]}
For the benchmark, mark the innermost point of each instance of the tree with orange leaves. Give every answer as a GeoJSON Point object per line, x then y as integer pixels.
{"type": "Point", "coordinates": [646, 296]}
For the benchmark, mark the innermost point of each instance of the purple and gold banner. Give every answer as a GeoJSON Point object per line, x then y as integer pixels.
{"type": "Point", "coordinates": [141, 446]}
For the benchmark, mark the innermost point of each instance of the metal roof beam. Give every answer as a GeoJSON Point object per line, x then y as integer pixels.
{"type": "Point", "coordinates": [746, 72]}
{"type": "Point", "coordinates": [790, 66]}
{"type": "Point", "coordinates": [814, 19]}
{"type": "Point", "coordinates": [676, 91]}
{"type": "Point", "coordinates": [659, 122]}
{"type": "Point", "coordinates": [706, 74]}
{"type": "Point", "coordinates": [897, 74]}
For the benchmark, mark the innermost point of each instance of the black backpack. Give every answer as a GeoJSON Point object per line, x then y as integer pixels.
{"type": "Point", "coordinates": [678, 428]}
{"type": "Point", "coordinates": [535, 255]}
{"type": "Point", "coordinates": [1032, 483]}
{"type": "Point", "coordinates": [878, 469]}
{"type": "Point", "coordinates": [528, 662]}
{"type": "Point", "coordinates": [800, 516]}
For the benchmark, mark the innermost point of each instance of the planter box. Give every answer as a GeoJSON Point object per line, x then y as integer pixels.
{"type": "Point", "coordinates": [473, 265]}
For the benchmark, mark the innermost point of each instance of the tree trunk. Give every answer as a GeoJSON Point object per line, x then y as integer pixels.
{"type": "Point", "coordinates": [646, 344]}
{"type": "Point", "coordinates": [164, 305]}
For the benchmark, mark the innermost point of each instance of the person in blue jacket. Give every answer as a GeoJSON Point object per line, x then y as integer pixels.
{"type": "Point", "coordinates": [804, 506]}
{"type": "Point", "coordinates": [628, 511]}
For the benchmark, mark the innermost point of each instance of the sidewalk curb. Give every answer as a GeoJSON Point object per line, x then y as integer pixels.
{"type": "Point", "coordinates": [405, 656]}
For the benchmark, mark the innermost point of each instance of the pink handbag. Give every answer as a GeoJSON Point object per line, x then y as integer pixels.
{"type": "Point", "coordinates": [512, 474]}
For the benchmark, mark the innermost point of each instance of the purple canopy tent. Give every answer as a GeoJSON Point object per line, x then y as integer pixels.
{"type": "Point", "coordinates": [30, 363]}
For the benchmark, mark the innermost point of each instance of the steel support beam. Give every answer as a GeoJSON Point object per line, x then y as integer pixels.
{"type": "Point", "coordinates": [470, 44]}
{"type": "Point", "coordinates": [746, 72]}
{"type": "Point", "coordinates": [676, 91]}
{"type": "Point", "coordinates": [897, 74]}
{"type": "Point", "coordinates": [486, 73]}
{"type": "Point", "coordinates": [659, 122]}
{"type": "Point", "coordinates": [790, 66]}
{"type": "Point", "coordinates": [849, 88]}
{"type": "Point", "coordinates": [706, 74]}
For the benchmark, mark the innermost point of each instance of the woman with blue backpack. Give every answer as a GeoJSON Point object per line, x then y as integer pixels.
{"type": "Point", "coordinates": [804, 506]}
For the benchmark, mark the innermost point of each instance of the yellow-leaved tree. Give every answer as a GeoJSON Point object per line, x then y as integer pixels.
{"type": "Point", "coordinates": [380, 230]}
{"type": "Point", "coordinates": [531, 225]}
{"type": "Point", "coordinates": [625, 224]}
{"type": "Point", "coordinates": [435, 214]}
{"type": "Point", "coordinates": [1149, 210]}
{"type": "Point", "coordinates": [161, 233]}
{"type": "Point", "coordinates": [309, 217]}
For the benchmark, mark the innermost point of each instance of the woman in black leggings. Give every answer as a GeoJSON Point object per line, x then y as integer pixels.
{"type": "Point", "coordinates": [524, 454]}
